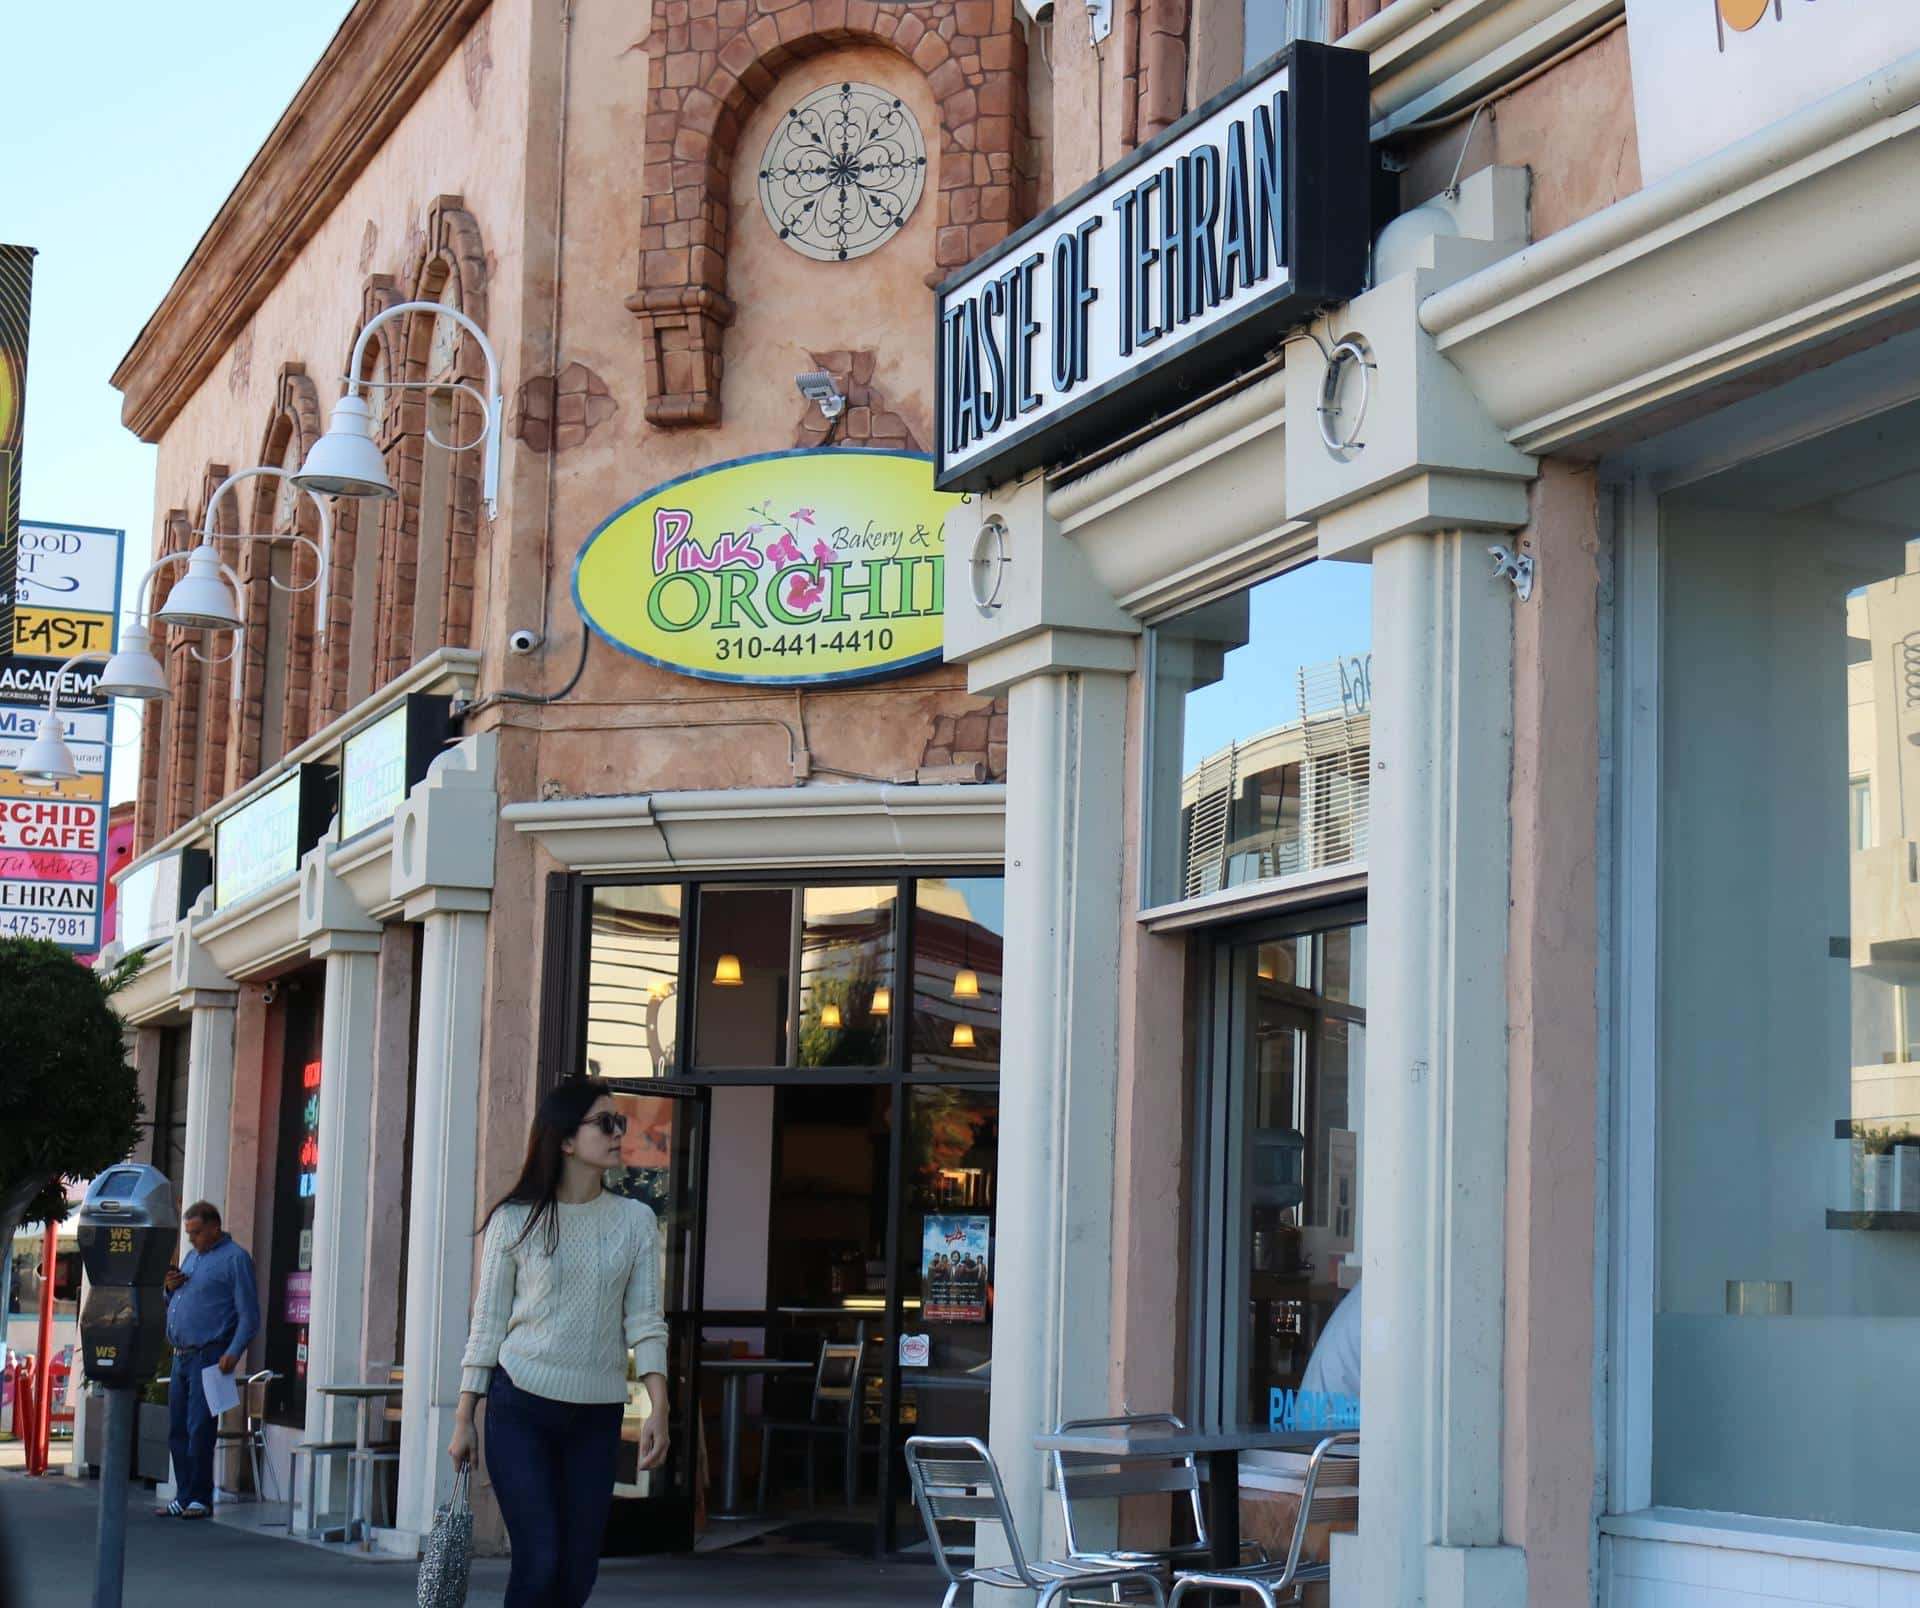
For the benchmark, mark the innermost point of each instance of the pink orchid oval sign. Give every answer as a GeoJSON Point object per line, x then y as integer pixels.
{"type": "Point", "coordinates": [825, 564]}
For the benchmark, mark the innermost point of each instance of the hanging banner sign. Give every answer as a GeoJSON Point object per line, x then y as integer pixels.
{"type": "Point", "coordinates": [261, 842]}
{"type": "Point", "coordinates": [825, 564]}
{"type": "Point", "coordinates": [384, 759]}
{"type": "Point", "coordinates": [157, 893]}
{"type": "Point", "coordinates": [1172, 271]}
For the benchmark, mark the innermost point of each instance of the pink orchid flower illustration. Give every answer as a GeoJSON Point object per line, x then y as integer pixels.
{"type": "Point", "coordinates": [802, 592]}
{"type": "Point", "coordinates": [785, 551]}
{"type": "Point", "coordinates": [822, 553]}
{"type": "Point", "coordinates": [802, 516]}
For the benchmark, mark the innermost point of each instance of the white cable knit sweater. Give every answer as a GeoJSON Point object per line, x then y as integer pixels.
{"type": "Point", "coordinates": [559, 1322]}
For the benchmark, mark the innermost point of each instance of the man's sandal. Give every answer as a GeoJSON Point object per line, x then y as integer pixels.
{"type": "Point", "coordinates": [173, 1510]}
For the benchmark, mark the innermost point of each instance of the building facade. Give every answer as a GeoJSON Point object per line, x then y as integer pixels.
{"type": "Point", "coordinates": [1410, 798]}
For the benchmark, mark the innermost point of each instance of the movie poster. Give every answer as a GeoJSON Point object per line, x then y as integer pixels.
{"type": "Point", "coordinates": [954, 1269]}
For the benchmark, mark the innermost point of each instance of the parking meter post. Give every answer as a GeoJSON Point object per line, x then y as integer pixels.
{"type": "Point", "coordinates": [116, 1468]}
{"type": "Point", "coordinates": [128, 1225]}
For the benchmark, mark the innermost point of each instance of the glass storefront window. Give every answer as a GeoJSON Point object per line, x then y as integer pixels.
{"type": "Point", "coordinates": [1260, 723]}
{"type": "Point", "coordinates": [743, 977]}
{"type": "Point", "coordinates": [957, 930]}
{"type": "Point", "coordinates": [633, 978]}
{"type": "Point", "coordinates": [846, 976]}
{"type": "Point", "coordinates": [1786, 1301]}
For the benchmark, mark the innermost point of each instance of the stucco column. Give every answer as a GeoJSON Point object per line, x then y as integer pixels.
{"type": "Point", "coordinates": [1053, 1273]}
{"type": "Point", "coordinates": [443, 869]}
{"type": "Point", "coordinates": [342, 935]}
{"type": "Point", "coordinates": [1046, 633]}
{"type": "Point", "coordinates": [208, 997]}
{"type": "Point", "coordinates": [1434, 1154]}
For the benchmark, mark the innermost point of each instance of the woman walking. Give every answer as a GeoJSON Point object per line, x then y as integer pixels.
{"type": "Point", "coordinates": [569, 1278]}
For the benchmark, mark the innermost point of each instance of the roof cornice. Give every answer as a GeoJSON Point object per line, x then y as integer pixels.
{"type": "Point", "coordinates": [372, 73]}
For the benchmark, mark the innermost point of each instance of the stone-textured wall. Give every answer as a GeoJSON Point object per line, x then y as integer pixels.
{"type": "Point", "coordinates": [712, 62]}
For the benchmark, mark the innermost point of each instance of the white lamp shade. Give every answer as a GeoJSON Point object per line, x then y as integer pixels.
{"type": "Point", "coordinates": [201, 600]}
{"type": "Point", "coordinates": [48, 759]}
{"type": "Point", "coordinates": [345, 462]}
{"type": "Point", "coordinates": [133, 672]}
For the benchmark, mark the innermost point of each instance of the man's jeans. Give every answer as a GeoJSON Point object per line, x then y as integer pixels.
{"type": "Point", "coordinates": [190, 1426]}
{"type": "Point", "coordinates": [552, 1465]}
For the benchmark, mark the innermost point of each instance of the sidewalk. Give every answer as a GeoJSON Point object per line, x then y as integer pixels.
{"type": "Point", "coordinates": [47, 1535]}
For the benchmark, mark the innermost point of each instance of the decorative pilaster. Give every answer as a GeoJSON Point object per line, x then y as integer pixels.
{"type": "Point", "coordinates": [208, 996]}
{"type": "Point", "coordinates": [443, 840]}
{"type": "Point", "coordinates": [348, 941]}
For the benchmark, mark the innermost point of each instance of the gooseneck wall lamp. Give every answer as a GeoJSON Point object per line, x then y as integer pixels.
{"type": "Point", "coordinates": [347, 462]}
{"type": "Point", "coordinates": [207, 597]}
{"type": "Point", "coordinates": [47, 758]}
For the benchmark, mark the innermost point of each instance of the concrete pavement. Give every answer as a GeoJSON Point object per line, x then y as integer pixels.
{"type": "Point", "coordinates": [46, 1561]}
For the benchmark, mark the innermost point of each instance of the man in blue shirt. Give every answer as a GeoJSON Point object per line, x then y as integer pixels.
{"type": "Point", "coordinates": [213, 1313]}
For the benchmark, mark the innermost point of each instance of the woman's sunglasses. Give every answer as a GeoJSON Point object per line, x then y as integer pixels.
{"type": "Point", "coordinates": [611, 1123]}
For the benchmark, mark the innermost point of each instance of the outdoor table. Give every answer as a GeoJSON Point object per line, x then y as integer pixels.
{"type": "Point", "coordinates": [1219, 1447]}
{"type": "Point", "coordinates": [362, 1397]}
{"type": "Point", "coordinates": [733, 1373]}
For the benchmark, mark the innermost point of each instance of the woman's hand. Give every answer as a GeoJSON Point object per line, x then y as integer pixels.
{"type": "Point", "coordinates": [461, 1447]}
{"type": "Point", "coordinates": [653, 1441]}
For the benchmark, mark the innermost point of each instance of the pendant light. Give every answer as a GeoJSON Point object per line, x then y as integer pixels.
{"type": "Point", "coordinates": [963, 1035]}
{"type": "Point", "coordinates": [829, 1015]}
{"type": "Point", "coordinates": [966, 985]}
{"type": "Point", "coordinates": [882, 1001]}
{"type": "Point", "coordinates": [726, 971]}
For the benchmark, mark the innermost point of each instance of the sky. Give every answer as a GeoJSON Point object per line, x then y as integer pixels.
{"type": "Point", "coordinates": [137, 121]}
{"type": "Point", "coordinates": [1304, 617]}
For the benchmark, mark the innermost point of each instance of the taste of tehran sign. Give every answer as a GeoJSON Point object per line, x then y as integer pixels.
{"type": "Point", "coordinates": [792, 568]}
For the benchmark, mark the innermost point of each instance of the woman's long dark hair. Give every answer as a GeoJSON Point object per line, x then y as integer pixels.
{"type": "Point", "coordinates": [538, 1186]}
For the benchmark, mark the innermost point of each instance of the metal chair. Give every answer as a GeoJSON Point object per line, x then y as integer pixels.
{"type": "Point", "coordinates": [834, 1413]}
{"type": "Point", "coordinates": [1330, 1505]}
{"type": "Point", "coordinates": [253, 1408]}
{"type": "Point", "coordinates": [955, 1481]}
{"type": "Point", "coordinates": [1085, 1477]}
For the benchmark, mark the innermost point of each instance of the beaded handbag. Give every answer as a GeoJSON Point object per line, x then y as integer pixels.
{"type": "Point", "coordinates": [448, 1555]}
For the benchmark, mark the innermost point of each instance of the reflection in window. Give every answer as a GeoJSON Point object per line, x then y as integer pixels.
{"type": "Point", "coordinates": [958, 924]}
{"type": "Point", "coordinates": [633, 977]}
{"type": "Point", "coordinates": [1261, 724]}
{"type": "Point", "coordinates": [1787, 1302]}
{"type": "Point", "coordinates": [743, 976]}
{"type": "Point", "coordinates": [846, 976]}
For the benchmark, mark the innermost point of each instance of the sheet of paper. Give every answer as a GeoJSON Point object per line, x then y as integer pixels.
{"type": "Point", "coordinates": [223, 1390]}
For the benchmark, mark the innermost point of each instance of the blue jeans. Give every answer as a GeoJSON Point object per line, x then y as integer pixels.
{"type": "Point", "coordinates": [190, 1426]}
{"type": "Point", "coordinates": [552, 1467]}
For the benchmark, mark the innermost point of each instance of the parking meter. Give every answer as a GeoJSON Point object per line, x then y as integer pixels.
{"type": "Point", "coordinates": [128, 1231]}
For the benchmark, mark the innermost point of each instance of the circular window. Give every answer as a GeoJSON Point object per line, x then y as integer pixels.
{"type": "Point", "coordinates": [843, 172]}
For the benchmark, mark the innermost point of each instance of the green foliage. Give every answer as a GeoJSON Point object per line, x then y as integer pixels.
{"type": "Point", "coordinates": [69, 1101]}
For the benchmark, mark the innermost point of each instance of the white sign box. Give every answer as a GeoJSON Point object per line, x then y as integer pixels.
{"type": "Point", "coordinates": [1709, 72]}
{"type": "Point", "coordinates": [1173, 270]}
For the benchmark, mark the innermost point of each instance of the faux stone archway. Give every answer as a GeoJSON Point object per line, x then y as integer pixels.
{"type": "Point", "coordinates": [711, 62]}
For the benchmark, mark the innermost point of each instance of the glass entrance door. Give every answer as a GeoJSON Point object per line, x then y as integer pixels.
{"type": "Point", "coordinates": [939, 1359]}
{"type": "Point", "coordinates": [664, 1164]}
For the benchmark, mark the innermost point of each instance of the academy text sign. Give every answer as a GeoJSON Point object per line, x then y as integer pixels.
{"type": "Point", "coordinates": [1169, 273]}
{"type": "Point", "coordinates": [826, 564]}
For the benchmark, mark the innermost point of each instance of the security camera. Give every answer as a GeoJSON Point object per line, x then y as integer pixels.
{"type": "Point", "coordinates": [817, 386]}
{"type": "Point", "coordinates": [523, 641]}
{"type": "Point", "coordinates": [1038, 10]}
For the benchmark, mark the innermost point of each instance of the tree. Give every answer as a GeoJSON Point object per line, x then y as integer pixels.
{"type": "Point", "coordinates": [69, 1101]}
